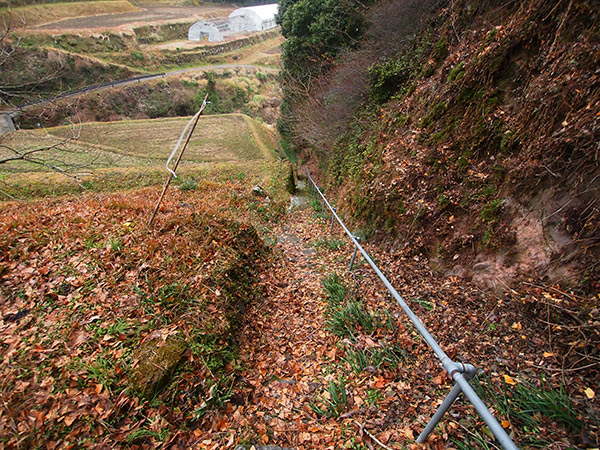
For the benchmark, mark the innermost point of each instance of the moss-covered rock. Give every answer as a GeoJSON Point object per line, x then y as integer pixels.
{"type": "Point", "coordinates": [157, 360]}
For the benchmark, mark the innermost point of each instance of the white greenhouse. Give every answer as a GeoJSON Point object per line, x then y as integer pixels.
{"type": "Point", "coordinates": [249, 19]}
{"type": "Point", "coordinates": [215, 30]}
{"type": "Point", "coordinates": [253, 18]}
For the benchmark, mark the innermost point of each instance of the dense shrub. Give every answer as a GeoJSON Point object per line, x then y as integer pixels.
{"type": "Point", "coordinates": [385, 79]}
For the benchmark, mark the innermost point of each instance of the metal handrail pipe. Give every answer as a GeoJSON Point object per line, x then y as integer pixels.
{"type": "Point", "coordinates": [453, 369]}
{"type": "Point", "coordinates": [446, 362]}
{"type": "Point", "coordinates": [485, 413]}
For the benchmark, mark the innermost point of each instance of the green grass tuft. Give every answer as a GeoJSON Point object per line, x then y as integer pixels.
{"type": "Point", "coordinates": [329, 243]}
{"type": "Point", "coordinates": [335, 289]}
{"type": "Point", "coordinates": [348, 319]}
{"type": "Point", "coordinates": [333, 403]}
{"type": "Point", "coordinates": [188, 184]}
{"type": "Point", "coordinates": [530, 407]}
{"type": "Point", "coordinates": [388, 355]}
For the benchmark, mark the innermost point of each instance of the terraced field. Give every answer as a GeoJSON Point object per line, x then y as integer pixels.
{"type": "Point", "coordinates": [127, 149]}
{"type": "Point", "coordinates": [227, 137]}
{"type": "Point", "coordinates": [131, 19]}
{"type": "Point", "coordinates": [32, 15]}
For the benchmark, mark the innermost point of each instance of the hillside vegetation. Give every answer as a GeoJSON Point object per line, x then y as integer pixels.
{"type": "Point", "coordinates": [32, 74]}
{"type": "Point", "coordinates": [465, 131]}
{"type": "Point", "coordinates": [88, 345]}
{"type": "Point", "coordinates": [250, 92]}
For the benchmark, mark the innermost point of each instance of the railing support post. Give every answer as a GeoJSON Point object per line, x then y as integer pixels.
{"type": "Point", "coordinates": [469, 372]}
{"type": "Point", "coordinates": [332, 220]}
{"type": "Point", "coordinates": [354, 254]}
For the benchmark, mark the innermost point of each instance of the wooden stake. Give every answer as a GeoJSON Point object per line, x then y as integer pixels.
{"type": "Point", "coordinates": [170, 177]}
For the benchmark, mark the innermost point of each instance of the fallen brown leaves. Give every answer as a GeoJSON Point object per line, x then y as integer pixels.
{"type": "Point", "coordinates": [288, 358]}
{"type": "Point", "coordinates": [85, 282]}
{"type": "Point", "coordinates": [77, 278]}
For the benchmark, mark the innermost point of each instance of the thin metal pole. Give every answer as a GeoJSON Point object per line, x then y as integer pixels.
{"type": "Point", "coordinates": [451, 367]}
{"type": "Point", "coordinates": [160, 199]}
{"type": "Point", "coordinates": [444, 407]}
{"type": "Point", "coordinates": [353, 255]}
{"type": "Point", "coordinates": [332, 220]}
{"type": "Point", "coordinates": [171, 173]}
{"type": "Point", "coordinates": [446, 404]}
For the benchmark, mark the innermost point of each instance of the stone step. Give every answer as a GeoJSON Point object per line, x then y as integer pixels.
{"type": "Point", "coordinates": [6, 123]}
{"type": "Point", "coordinates": [298, 202]}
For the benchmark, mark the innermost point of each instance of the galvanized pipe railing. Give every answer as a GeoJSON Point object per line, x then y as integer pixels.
{"type": "Point", "coordinates": [459, 372]}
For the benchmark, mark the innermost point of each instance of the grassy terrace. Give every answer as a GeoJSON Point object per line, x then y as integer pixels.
{"type": "Point", "coordinates": [132, 153]}
{"type": "Point", "coordinates": [31, 15]}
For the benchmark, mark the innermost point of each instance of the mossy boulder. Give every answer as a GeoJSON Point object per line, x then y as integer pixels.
{"type": "Point", "coordinates": [157, 359]}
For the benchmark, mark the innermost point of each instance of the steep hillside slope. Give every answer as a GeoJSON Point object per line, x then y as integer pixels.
{"type": "Point", "coordinates": [471, 137]}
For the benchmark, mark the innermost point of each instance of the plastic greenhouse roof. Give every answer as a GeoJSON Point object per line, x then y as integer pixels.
{"type": "Point", "coordinates": [264, 12]}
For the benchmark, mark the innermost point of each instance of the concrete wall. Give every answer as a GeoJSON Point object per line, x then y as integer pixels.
{"type": "Point", "coordinates": [6, 123]}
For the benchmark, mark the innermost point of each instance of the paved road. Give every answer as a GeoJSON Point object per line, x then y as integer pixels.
{"type": "Point", "coordinates": [140, 79]}
{"type": "Point", "coordinates": [168, 74]}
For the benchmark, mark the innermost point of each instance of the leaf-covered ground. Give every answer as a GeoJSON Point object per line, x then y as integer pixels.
{"type": "Point", "coordinates": [293, 365]}
{"type": "Point", "coordinates": [87, 287]}
{"type": "Point", "coordinates": [291, 350]}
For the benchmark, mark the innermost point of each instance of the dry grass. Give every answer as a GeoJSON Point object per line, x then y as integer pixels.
{"type": "Point", "coordinates": [65, 151]}
{"type": "Point", "coordinates": [30, 185]}
{"type": "Point", "coordinates": [31, 15]}
{"type": "Point", "coordinates": [128, 154]}
{"type": "Point", "coordinates": [227, 137]}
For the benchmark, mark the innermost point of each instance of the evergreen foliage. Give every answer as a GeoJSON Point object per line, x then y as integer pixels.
{"type": "Point", "coordinates": [385, 78]}
{"type": "Point", "coordinates": [316, 31]}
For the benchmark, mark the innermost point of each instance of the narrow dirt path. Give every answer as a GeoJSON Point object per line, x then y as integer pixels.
{"type": "Point", "coordinates": [288, 358]}
{"type": "Point", "coordinates": [251, 124]}
{"type": "Point", "coordinates": [284, 340]}
{"type": "Point", "coordinates": [282, 348]}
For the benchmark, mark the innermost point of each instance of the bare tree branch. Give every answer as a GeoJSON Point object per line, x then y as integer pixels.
{"type": "Point", "coordinates": [53, 156]}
